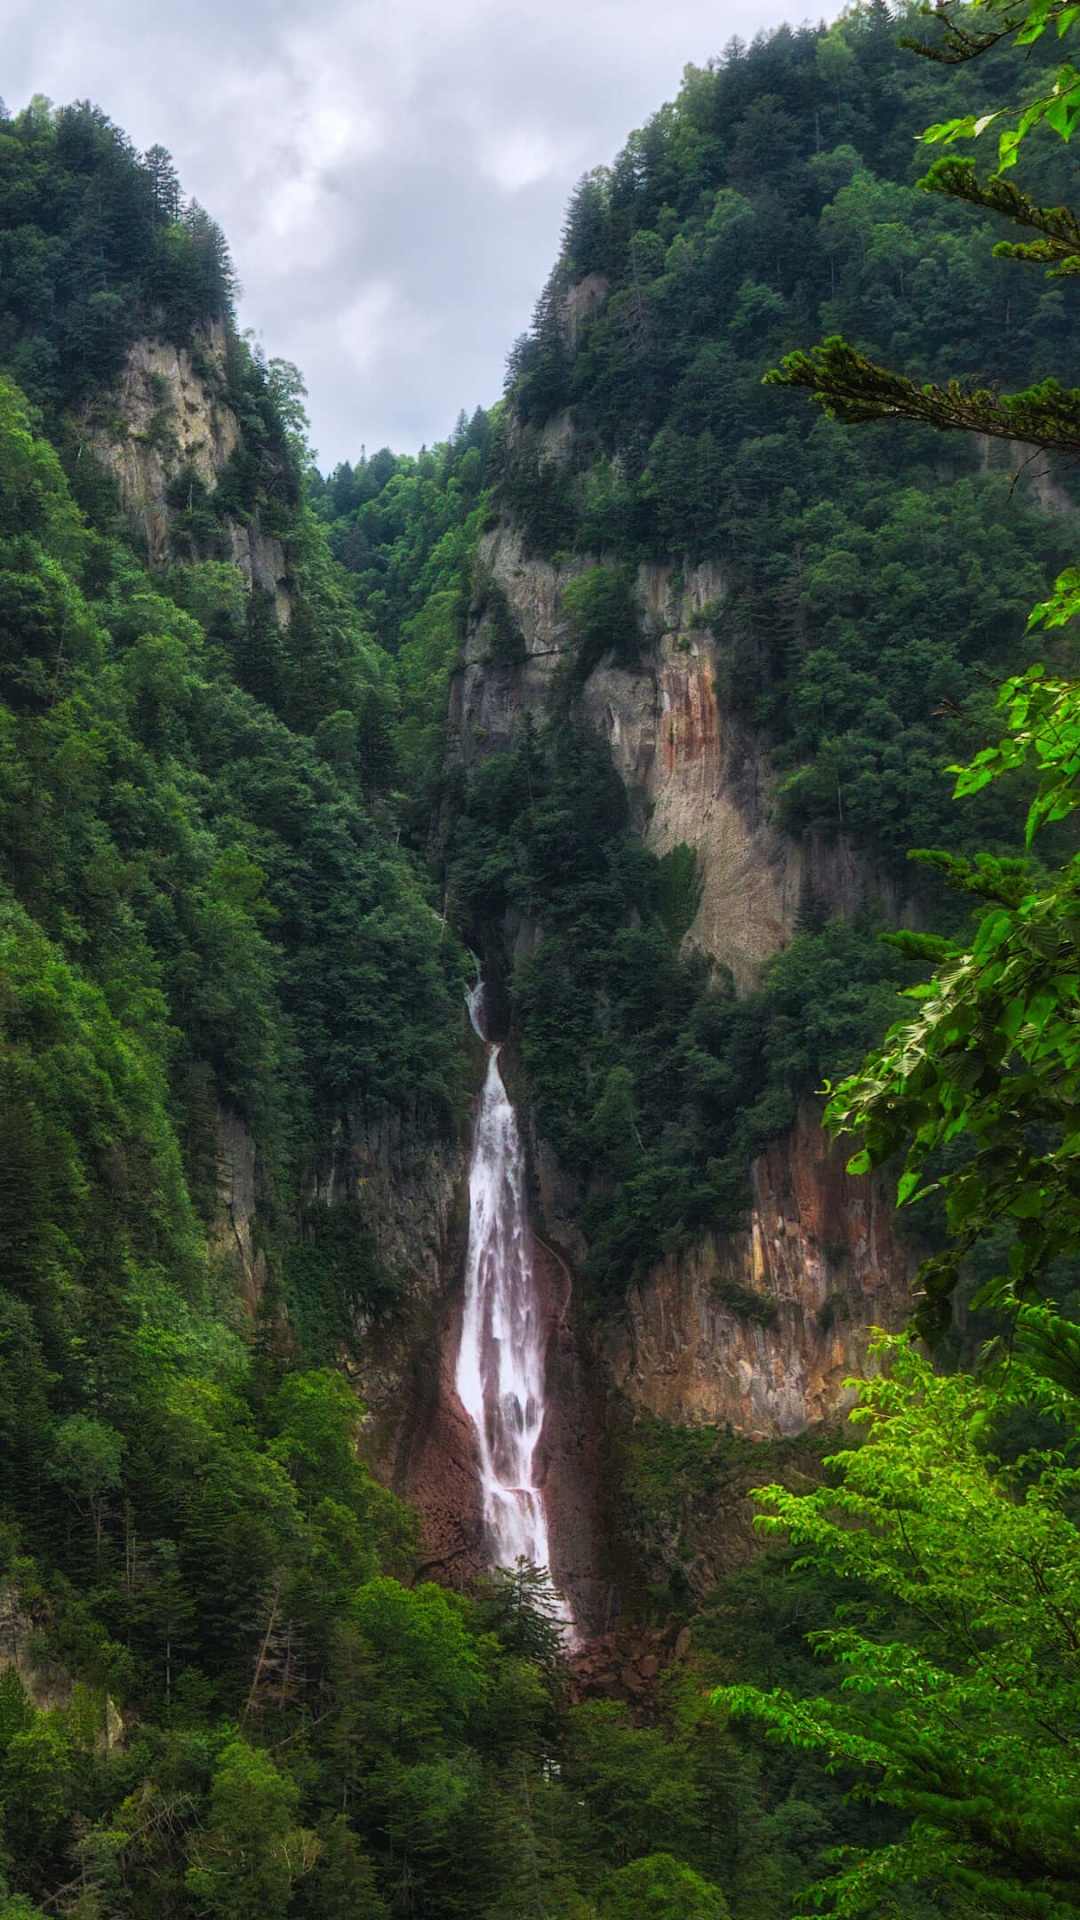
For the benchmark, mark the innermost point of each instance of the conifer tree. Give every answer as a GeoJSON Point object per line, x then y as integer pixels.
{"type": "Point", "coordinates": [969, 1722]}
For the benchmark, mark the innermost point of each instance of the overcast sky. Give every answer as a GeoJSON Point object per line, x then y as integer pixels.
{"type": "Point", "coordinates": [391, 174]}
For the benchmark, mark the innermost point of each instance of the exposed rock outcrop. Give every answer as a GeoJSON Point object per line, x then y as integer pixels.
{"type": "Point", "coordinates": [167, 413]}
{"type": "Point", "coordinates": [818, 1251]}
{"type": "Point", "coordinates": [572, 1451]}
{"type": "Point", "coordinates": [260, 560]}
{"type": "Point", "coordinates": [430, 1453]}
{"type": "Point", "coordinates": [169, 417]}
{"type": "Point", "coordinates": [48, 1686]}
{"type": "Point", "coordinates": [759, 1330]}
{"type": "Point", "coordinates": [232, 1235]}
{"type": "Point", "coordinates": [694, 773]}
{"type": "Point", "coordinates": [415, 1206]}
{"type": "Point", "coordinates": [630, 1665]}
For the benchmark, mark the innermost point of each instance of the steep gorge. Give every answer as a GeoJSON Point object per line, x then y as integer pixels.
{"type": "Point", "coordinates": [168, 426]}
{"type": "Point", "coordinates": [753, 1326]}
{"type": "Point", "coordinates": [754, 1330]}
{"type": "Point", "coordinates": [819, 1242]}
{"type": "Point", "coordinates": [640, 687]}
{"type": "Point", "coordinates": [747, 614]}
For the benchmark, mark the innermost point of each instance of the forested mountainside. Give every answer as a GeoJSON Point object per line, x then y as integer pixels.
{"type": "Point", "coordinates": [279, 751]}
{"type": "Point", "coordinates": [860, 596]}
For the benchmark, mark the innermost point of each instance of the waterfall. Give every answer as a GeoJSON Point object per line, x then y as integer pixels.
{"type": "Point", "coordinates": [500, 1367]}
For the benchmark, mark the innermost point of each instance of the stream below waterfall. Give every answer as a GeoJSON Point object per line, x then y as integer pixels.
{"type": "Point", "coordinates": [501, 1359]}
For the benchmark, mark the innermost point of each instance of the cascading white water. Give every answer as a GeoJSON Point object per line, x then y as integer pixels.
{"type": "Point", "coordinates": [500, 1367]}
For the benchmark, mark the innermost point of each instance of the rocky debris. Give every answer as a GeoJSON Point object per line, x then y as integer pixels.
{"type": "Point", "coordinates": [627, 1664]}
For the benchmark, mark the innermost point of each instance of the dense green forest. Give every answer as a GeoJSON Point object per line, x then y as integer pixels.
{"type": "Point", "coordinates": [209, 909]}
{"type": "Point", "coordinates": [877, 584]}
{"type": "Point", "coordinates": [239, 879]}
{"type": "Point", "coordinates": [877, 587]}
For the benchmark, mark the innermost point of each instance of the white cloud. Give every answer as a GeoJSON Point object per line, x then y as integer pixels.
{"type": "Point", "coordinates": [517, 158]}
{"type": "Point", "coordinates": [391, 174]}
{"type": "Point", "coordinates": [365, 328]}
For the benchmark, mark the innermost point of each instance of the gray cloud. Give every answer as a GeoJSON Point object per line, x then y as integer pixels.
{"type": "Point", "coordinates": [391, 174]}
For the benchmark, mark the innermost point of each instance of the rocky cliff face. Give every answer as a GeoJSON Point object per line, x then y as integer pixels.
{"type": "Point", "coordinates": [694, 773]}
{"type": "Point", "coordinates": [415, 1206]}
{"type": "Point", "coordinates": [168, 417]}
{"type": "Point", "coordinates": [759, 1330]}
{"type": "Point", "coordinates": [232, 1235]}
{"type": "Point", "coordinates": [47, 1685]}
{"type": "Point", "coordinates": [818, 1264]}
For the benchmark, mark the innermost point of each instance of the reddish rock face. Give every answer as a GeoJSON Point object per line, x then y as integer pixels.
{"type": "Point", "coordinates": [689, 716]}
{"type": "Point", "coordinates": [626, 1664]}
{"type": "Point", "coordinates": [819, 1264]}
{"type": "Point", "coordinates": [819, 1256]}
{"type": "Point", "coordinates": [435, 1468]}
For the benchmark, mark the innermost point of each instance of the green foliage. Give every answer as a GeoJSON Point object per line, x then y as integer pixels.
{"type": "Point", "coordinates": [999, 1011]}
{"type": "Point", "coordinates": [406, 530]}
{"type": "Point", "coordinates": [659, 1887]}
{"type": "Point", "coordinates": [402, 525]}
{"type": "Point", "coordinates": [94, 249]}
{"type": "Point", "coordinates": [207, 931]}
{"type": "Point", "coordinates": [517, 1605]}
{"type": "Point", "coordinates": [249, 1855]}
{"type": "Point", "coordinates": [996, 1016]}
{"type": "Point", "coordinates": [1024, 25]}
{"type": "Point", "coordinates": [602, 617]}
{"type": "Point", "coordinates": [331, 1274]}
{"type": "Point", "coordinates": [870, 592]}
{"type": "Point", "coordinates": [653, 1082]}
{"type": "Point", "coordinates": [744, 1302]}
{"type": "Point", "coordinates": [637, 1793]}
{"type": "Point", "coordinates": [682, 1510]}
{"type": "Point", "coordinates": [680, 889]}
{"type": "Point", "coordinates": [490, 606]}
{"type": "Point", "coordinates": [343, 1885]}
{"type": "Point", "coordinates": [958, 1515]}
{"type": "Point", "coordinates": [187, 845]}
{"type": "Point", "coordinates": [870, 589]}
{"type": "Point", "coordinates": [208, 913]}
{"type": "Point", "coordinates": [966, 1724]}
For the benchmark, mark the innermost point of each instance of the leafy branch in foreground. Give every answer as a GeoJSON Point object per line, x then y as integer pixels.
{"type": "Point", "coordinates": [962, 1713]}
{"type": "Point", "coordinates": [853, 389]}
{"type": "Point", "coordinates": [993, 1053]}
{"type": "Point", "coordinates": [964, 37]}
{"type": "Point", "coordinates": [971, 1724]}
{"type": "Point", "coordinates": [846, 382]}
{"type": "Point", "coordinates": [974, 29]}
